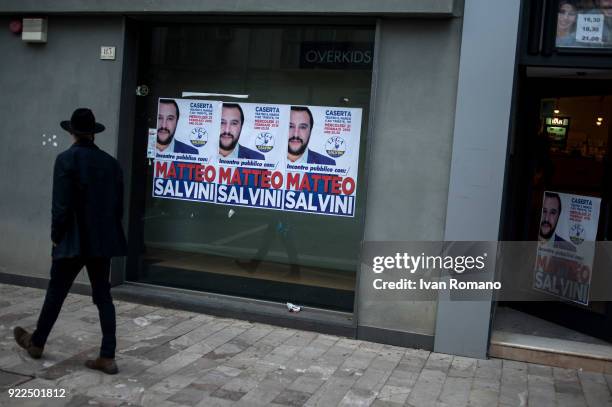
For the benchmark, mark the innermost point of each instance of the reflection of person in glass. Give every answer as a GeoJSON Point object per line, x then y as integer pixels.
{"type": "Point", "coordinates": [566, 24]}
{"type": "Point", "coordinates": [603, 8]}
{"type": "Point", "coordinates": [606, 9]}
{"type": "Point", "coordinates": [167, 119]}
{"type": "Point", "coordinates": [232, 119]}
{"type": "Point", "coordinates": [300, 127]}
{"type": "Point", "coordinates": [551, 210]}
{"type": "Point", "coordinates": [276, 227]}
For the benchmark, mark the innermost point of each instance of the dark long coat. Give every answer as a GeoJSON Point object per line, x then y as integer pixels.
{"type": "Point", "coordinates": [87, 204]}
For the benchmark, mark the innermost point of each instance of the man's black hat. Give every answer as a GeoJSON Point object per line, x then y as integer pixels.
{"type": "Point", "coordinates": [82, 122]}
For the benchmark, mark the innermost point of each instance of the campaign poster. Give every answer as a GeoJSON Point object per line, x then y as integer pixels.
{"type": "Point", "coordinates": [564, 260]}
{"type": "Point", "coordinates": [282, 157]}
{"type": "Point", "coordinates": [187, 130]}
{"type": "Point", "coordinates": [322, 159]}
{"type": "Point", "coordinates": [251, 156]}
{"type": "Point", "coordinates": [187, 181]}
{"type": "Point", "coordinates": [252, 135]}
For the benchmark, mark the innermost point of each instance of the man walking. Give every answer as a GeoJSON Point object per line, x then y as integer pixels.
{"type": "Point", "coordinates": [85, 231]}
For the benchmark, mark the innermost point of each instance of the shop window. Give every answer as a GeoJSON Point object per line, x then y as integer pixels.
{"type": "Point", "coordinates": [309, 259]}
{"type": "Point", "coordinates": [584, 24]}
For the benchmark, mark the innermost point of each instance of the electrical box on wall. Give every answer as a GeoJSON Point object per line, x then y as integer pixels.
{"type": "Point", "coordinates": [34, 30]}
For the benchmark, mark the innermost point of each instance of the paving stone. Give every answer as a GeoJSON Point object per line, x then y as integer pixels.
{"type": "Point", "coordinates": [541, 389]}
{"type": "Point", "coordinates": [392, 395]}
{"type": "Point", "coordinates": [456, 391]}
{"type": "Point", "coordinates": [190, 396]}
{"type": "Point", "coordinates": [8, 380]}
{"type": "Point", "coordinates": [209, 401]}
{"type": "Point", "coordinates": [12, 318]}
{"type": "Point", "coordinates": [595, 388]}
{"type": "Point", "coordinates": [438, 361]}
{"type": "Point", "coordinates": [513, 389]}
{"type": "Point", "coordinates": [158, 353]}
{"type": "Point", "coordinates": [292, 398]}
{"type": "Point", "coordinates": [402, 378]}
{"type": "Point", "coordinates": [382, 403]}
{"type": "Point", "coordinates": [228, 394]}
{"type": "Point", "coordinates": [74, 363]}
{"type": "Point", "coordinates": [427, 387]}
{"type": "Point", "coordinates": [279, 377]}
{"type": "Point", "coordinates": [306, 384]}
{"type": "Point", "coordinates": [171, 358]}
{"type": "Point", "coordinates": [213, 380]}
{"type": "Point", "coordinates": [570, 400]}
{"type": "Point", "coordinates": [539, 370]}
{"type": "Point", "coordinates": [357, 398]}
{"type": "Point", "coordinates": [484, 397]}
{"type": "Point", "coordinates": [260, 396]}
{"type": "Point", "coordinates": [462, 367]}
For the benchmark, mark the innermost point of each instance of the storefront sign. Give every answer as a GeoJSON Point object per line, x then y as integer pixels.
{"type": "Point", "coordinates": [294, 158]}
{"type": "Point", "coordinates": [564, 261]}
{"type": "Point", "coordinates": [336, 55]}
{"type": "Point", "coordinates": [557, 129]}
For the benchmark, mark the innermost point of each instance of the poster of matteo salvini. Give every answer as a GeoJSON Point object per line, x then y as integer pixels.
{"type": "Point", "coordinates": [251, 156]}
{"type": "Point", "coordinates": [294, 158]}
{"type": "Point", "coordinates": [567, 230]}
{"type": "Point", "coordinates": [187, 130]}
{"type": "Point", "coordinates": [322, 159]}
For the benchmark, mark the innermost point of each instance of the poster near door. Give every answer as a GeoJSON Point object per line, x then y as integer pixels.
{"type": "Point", "coordinates": [564, 261]}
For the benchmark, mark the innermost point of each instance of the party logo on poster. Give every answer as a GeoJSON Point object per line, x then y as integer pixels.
{"type": "Point", "coordinates": [198, 137]}
{"type": "Point", "coordinates": [335, 146]}
{"type": "Point", "coordinates": [264, 142]}
{"type": "Point", "coordinates": [576, 233]}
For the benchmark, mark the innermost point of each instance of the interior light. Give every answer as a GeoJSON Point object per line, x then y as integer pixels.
{"type": "Point", "coordinates": [598, 123]}
{"type": "Point", "coordinates": [600, 119]}
{"type": "Point", "coordinates": [556, 111]}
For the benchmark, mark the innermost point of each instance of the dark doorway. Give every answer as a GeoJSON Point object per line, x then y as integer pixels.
{"type": "Point", "coordinates": [572, 158]}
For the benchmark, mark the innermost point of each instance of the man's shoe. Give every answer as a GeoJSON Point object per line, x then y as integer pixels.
{"type": "Point", "coordinates": [106, 365]}
{"type": "Point", "coordinates": [24, 339]}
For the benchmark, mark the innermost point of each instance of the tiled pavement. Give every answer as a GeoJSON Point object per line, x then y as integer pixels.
{"type": "Point", "coordinates": [176, 358]}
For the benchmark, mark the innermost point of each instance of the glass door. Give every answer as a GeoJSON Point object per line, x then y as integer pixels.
{"type": "Point", "coordinates": [563, 146]}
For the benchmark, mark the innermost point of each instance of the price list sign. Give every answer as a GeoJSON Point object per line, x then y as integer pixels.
{"type": "Point", "coordinates": [589, 28]}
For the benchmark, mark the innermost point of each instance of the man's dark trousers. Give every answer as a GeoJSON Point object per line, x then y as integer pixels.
{"type": "Point", "coordinates": [63, 273]}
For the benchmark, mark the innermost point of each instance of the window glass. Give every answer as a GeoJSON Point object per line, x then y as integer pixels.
{"type": "Point", "coordinates": [584, 24]}
{"type": "Point", "coordinates": [267, 254]}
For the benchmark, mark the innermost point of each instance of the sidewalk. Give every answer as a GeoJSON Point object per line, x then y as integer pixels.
{"type": "Point", "coordinates": [172, 358]}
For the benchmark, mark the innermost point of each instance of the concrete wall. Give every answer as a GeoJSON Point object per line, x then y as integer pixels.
{"type": "Point", "coordinates": [486, 83]}
{"type": "Point", "coordinates": [410, 145]}
{"type": "Point", "coordinates": [41, 85]}
{"type": "Point", "coordinates": [410, 152]}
